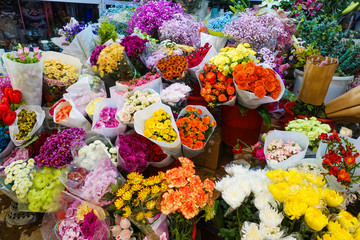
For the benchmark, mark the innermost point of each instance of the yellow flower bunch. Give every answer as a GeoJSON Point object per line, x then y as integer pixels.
{"type": "Point", "coordinates": [63, 72]}
{"type": "Point", "coordinates": [229, 57]}
{"type": "Point", "coordinates": [159, 127]}
{"type": "Point", "coordinates": [140, 196]}
{"type": "Point", "coordinates": [109, 59]}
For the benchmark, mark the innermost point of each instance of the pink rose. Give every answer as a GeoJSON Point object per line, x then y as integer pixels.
{"type": "Point", "coordinates": [20, 51]}
{"type": "Point", "coordinates": [38, 56]}
{"type": "Point", "coordinates": [22, 57]}
{"type": "Point", "coordinates": [26, 50]}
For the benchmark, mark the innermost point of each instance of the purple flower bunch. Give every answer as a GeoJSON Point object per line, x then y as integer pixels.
{"type": "Point", "coordinates": [149, 17]}
{"type": "Point", "coordinates": [134, 46]}
{"type": "Point", "coordinates": [56, 151]}
{"type": "Point", "coordinates": [93, 228]}
{"type": "Point", "coordinates": [182, 29]}
{"type": "Point", "coordinates": [267, 30]}
{"type": "Point", "coordinates": [4, 82]}
{"type": "Point", "coordinates": [97, 182]}
{"type": "Point", "coordinates": [133, 152]}
{"type": "Point", "coordinates": [310, 7]}
{"type": "Point", "coordinates": [107, 118]}
{"type": "Point", "coordinates": [95, 54]}
{"type": "Point", "coordinates": [70, 30]}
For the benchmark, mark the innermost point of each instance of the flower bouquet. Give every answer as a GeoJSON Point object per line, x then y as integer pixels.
{"type": "Point", "coordinates": [4, 82]}
{"type": "Point", "coordinates": [195, 124]}
{"type": "Point", "coordinates": [118, 15]}
{"type": "Point", "coordinates": [257, 85]}
{"type": "Point", "coordinates": [104, 121]}
{"type": "Point", "coordinates": [134, 47]}
{"type": "Point", "coordinates": [28, 120]}
{"type": "Point", "coordinates": [113, 61]}
{"type": "Point", "coordinates": [173, 69]}
{"type": "Point", "coordinates": [76, 40]}
{"type": "Point", "coordinates": [56, 150]}
{"type": "Point", "coordinates": [139, 199]}
{"type": "Point", "coordinates": [285, 149]}
{"type": "Point", "coordinates": [15, 155]}
{"type": "Point", "coordinates": [136, 102]}
{"type": "Point", "coordinates": [23, 66]}
{"type": "Point", "coordinates": [175, 96]}
{"type": "Point", "coordinates": [67, 115]}
{"type": "Point", "coordinates": [185, 197]}
{"type": "Point", "coordinates": [312, 128]}
{"type": "Point", "coordinates": [60, 71]}
{"type": "Point", "coordinates": [90, 108]}
{"type": "Point", "coordinates": [216, 26]}
{"type": "Point", "coordinates": [340, 158]}
{"type": "Point", "coordinates": [198, 58]}
{"type": "Point", "coordinates": [157, 123]}
{"type": "Point", "coordinates": [216, 88]}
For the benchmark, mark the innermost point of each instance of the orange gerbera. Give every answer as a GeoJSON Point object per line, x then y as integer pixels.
{"type": "Point", "coordinates": [260, 92]}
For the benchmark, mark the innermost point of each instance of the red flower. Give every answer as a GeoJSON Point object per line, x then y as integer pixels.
{"type": "Point", "coordinates": [15, 96]}
{"type": "Point", "coordinates": [327, 161]}
{"type": "Point", "coordinates": [5, 100]}
{"type": "Point", "coordinates": [7, 91]}
{"type": "Point", "coordinates": [334, 171]}
{"type": "Point", "coordinates": [350, 160]}
{"type": "Point", "coordinates": [343, 175]}
{"type": "Point", "coordinates": [323, 136]}
{"type": "Point", "coordinates": [4, 108]}
{"type": "Point", "coordinates": [335, 137]}
{"type": "Point", "coordinates": [9, 117]}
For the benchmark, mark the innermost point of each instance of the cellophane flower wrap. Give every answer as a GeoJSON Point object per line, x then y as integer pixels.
{"type": "Point", "coordinates": [134, 47]}
{"type": "Point", "coordinates": [83, 220]}
{"type": "Point", "coordinates": [56, 151]}
{"type": "Point", "coordinates": [139, 199]}
{"type": "Point", "coordinates": [257, 84]}
{"type": "Point", "coordinates": [185, 197]}
{"type": "Point", "coordinates": [69, 31]}
{"type": "Point", "coordinates": [136, 102]}
{"type": "Point", "coordinates": [182, 29]}
{"type": "Point", "coordinates": [149, 17]}
{"type": "Point", "coordinates": [175, 96]}
{"type": "Point", "coordinates": [195, 124]}
{"type": "Point", "coordinates": [149, 80]}
{"type": "Point", "coordinates": [216, 88]}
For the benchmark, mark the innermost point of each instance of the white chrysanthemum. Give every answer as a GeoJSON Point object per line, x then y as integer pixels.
{"type": "Point", "coordinates": [270, 217]}
{"type": "Point", "coordinates": [224, 183]}
{"type": "Point", "coordinates": [250, 231]}
{"type": "Point", "coordinates": [269, 233]}
{"type": "Point", "coordinates": [263, 200]}
{"type": "Point", "coordinates": [234, 195]}
{"type": "Point", "coordinates": [259, 185]}
{"type": "Point", "coordinates": [236, 170]}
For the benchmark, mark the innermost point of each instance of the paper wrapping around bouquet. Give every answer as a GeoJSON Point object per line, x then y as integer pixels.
{"type": "Point", "coordinates": [345, 108]}
{"type": "Point", "coordinates": [317, 79]}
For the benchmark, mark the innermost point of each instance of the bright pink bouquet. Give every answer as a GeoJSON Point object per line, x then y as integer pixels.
{"type": "Point", "coordinates": [279, 151]}
{"type": "Point", "coordinates": [195, 58]}
{"type": "Point", "coordinates": [142, 81]}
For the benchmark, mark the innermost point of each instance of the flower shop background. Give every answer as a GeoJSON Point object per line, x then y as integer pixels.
{"type": "Point", "coordinates": [206, 90]}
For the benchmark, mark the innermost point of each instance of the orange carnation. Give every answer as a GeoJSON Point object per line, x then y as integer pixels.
{"type": "Point", "coordinates": [222, 98]}
{"type": "Point", "coordinates": [260, 92]}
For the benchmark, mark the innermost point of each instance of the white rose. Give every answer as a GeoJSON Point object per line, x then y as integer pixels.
{"type": "Point", "coordinates": [125, 117]}
{"type": "Point", "coordinates": [130, 109]}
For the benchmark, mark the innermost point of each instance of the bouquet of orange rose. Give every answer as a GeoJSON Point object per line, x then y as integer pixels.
{"type": "Point", "coordinates": [185, 197]}
{"type": "Point", "coordinates": [257, 84]}
{"type": "Point", "coordinates": [217, 89]}
{"type": "Point", "coordinates": [195, 124]}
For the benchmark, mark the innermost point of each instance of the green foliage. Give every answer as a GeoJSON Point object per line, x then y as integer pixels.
{"type": "Point", "coordinates": [335, 7]}
{"type": "Point", "coordinates": [239, 6]}
{"type": "Point", "coordinates": [303, 53]}
{"type": "Point", "coordinates": [308, 110]}
{"type": "Point", "coordinates": [106, 31]}
{"type": "Point", "coordinates": [349, 58]}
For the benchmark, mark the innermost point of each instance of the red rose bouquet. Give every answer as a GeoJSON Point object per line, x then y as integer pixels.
{"type": "Point", "coordinates": [195, 58]}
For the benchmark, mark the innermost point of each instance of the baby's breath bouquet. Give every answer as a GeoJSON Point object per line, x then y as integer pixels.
{"type": "Point", "coordinates": [139, 199]}
{"type": "Point", "coordinates": [57, 77]}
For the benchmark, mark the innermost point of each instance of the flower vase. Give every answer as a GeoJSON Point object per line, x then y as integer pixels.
{"type": "Point", "coordinates": [26, 77]}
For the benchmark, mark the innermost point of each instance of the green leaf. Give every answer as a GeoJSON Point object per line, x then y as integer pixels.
{"type": "Point", "coordinates": [111, 208]}
{"type": "Point", "coordinates": [113, 187]}
{"type": "Point", "coordinates": [264, 113]}
{"type": "Point", "coordinates": [29, 142]}
{"type": "Point", "coordinates": [243, 110]}
{"type": "Point", "coordinates": [233, 9]}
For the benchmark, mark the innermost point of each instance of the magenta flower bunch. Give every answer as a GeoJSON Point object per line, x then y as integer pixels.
{"type": "Point", "coordinates": [95, 54]}
{"type": "Point", "coordinates": [309, 7]}
{"type": "Point", "coordinates": [56, 151]}
{"type": "Point", "coordinates": [143, 80]}
{"type": "Point", "coordinates": [133, 152]}
{"type": "Point", "coordinates": [107, 118]}
{"type": "Point", "coordinates": [269, 30]}
{"type": "Point", "coordinates": [134, 46]}
{"type": "Point", "coordinates": [182, 29]}
{"type": "Point", "coordinates": [149, 17]}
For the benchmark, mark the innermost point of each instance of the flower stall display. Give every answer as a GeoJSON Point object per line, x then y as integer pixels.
{"type": "Point", "coordinates": [139, 199]}
{"type": "Point", "coordinates": [139, 100]}
{"type": "Point", "coordinates": [229, 57]}
{"type": "Point", "coordinates": [195, 124]}
{"type": "Point", "coordinates": [150, 17]}
{"type": "Point", "coordinates": [67, 115]}
{"type": "Point", "coordinates": [175, 96]}
{"type": "Point", "coordinates": [195, 58]}
{"type": "Point", "coordinates": [339, 156]}
{"type": "Point", "coordinates": [104, 121]}
{"type": "Point", "coordinates": [106, 33]}
{"type": "Point", "coordinates": [113, 61]}
{"type": "Point", "coordinates": [20, 175]}
{"type": "Point", "coordinates": [217, 89]}
{"type": "Point", "coordinates": [182, 29]}
{"type": "Point", "coordinates": [44, 191]}
{"type": "Point", "coordinates": [22, 66]}
{"type": "Point", "coordinates": [217, 25]}
{"type": "Point", "coordinates": [58, 75]}
{"type": "Point", "coordinates": [134, 47]}
{"type": "Point", "coordinates": [311, 127]}
{"type": "Point", "coordinates": [257, 85]}
{"type": "Point", "coordinates": [174, 68]}
{"type": "Point", "coordinates": [28, 120]}
{"type": "Point", "coordinates": [185, 197]}
{"type": "Point", "coordinates": [285, 149]}
{"type": "Point", "coordinates": [157, 123]}
{"type": "Point", "coordinates": [56, 151]}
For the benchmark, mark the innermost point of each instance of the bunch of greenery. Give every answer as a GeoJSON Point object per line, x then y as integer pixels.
{"type": "Point", "coordinates": [335, 7]}
{"type": "Point", "coordinates": [349, 58]}
{"type": "Point", "coordinates": [106, 31]}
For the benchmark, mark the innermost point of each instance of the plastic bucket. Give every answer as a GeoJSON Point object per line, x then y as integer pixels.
{"type": "Point", "coordinates": [337, 86]}
{"type": "Point", "coordinates": [289, 116]}
{"type": "Point", "coordinates": [235, 126]}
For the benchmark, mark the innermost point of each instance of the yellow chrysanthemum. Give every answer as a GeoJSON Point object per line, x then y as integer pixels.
{"type": "Point", "coordinates": [119, 203]}
{"type": "Point", "coordinates": [337, 232]}
{"type": "Point", "coordinates": [280, 191]}
{"type": "Point", "coordinates": [140, 216]}
{"type": "Point", "coordinates": [295, 209]}
{"type": "Point", "coordinates": [127, 196]}
{"type": "Point", "coordinates": [150, 204]}
{"type": "Point", "coordinates": [127, 211]}
{"type": "Point", "coordinates": [347, 221]}
{"type": "Point", "coordinates": [142, 195]}
{"type": "Point", "coordinates": [122, 190]}
{"type": "Point", "coordinates": [332, 198]}
{"type": "Point", "coordinates": [149, 214]}
{"type": "Point", "coordinates": [315, 219]}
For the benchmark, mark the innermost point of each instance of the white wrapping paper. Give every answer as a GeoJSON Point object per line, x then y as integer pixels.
{"type": "Point", "coordinates": [75, 119]}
